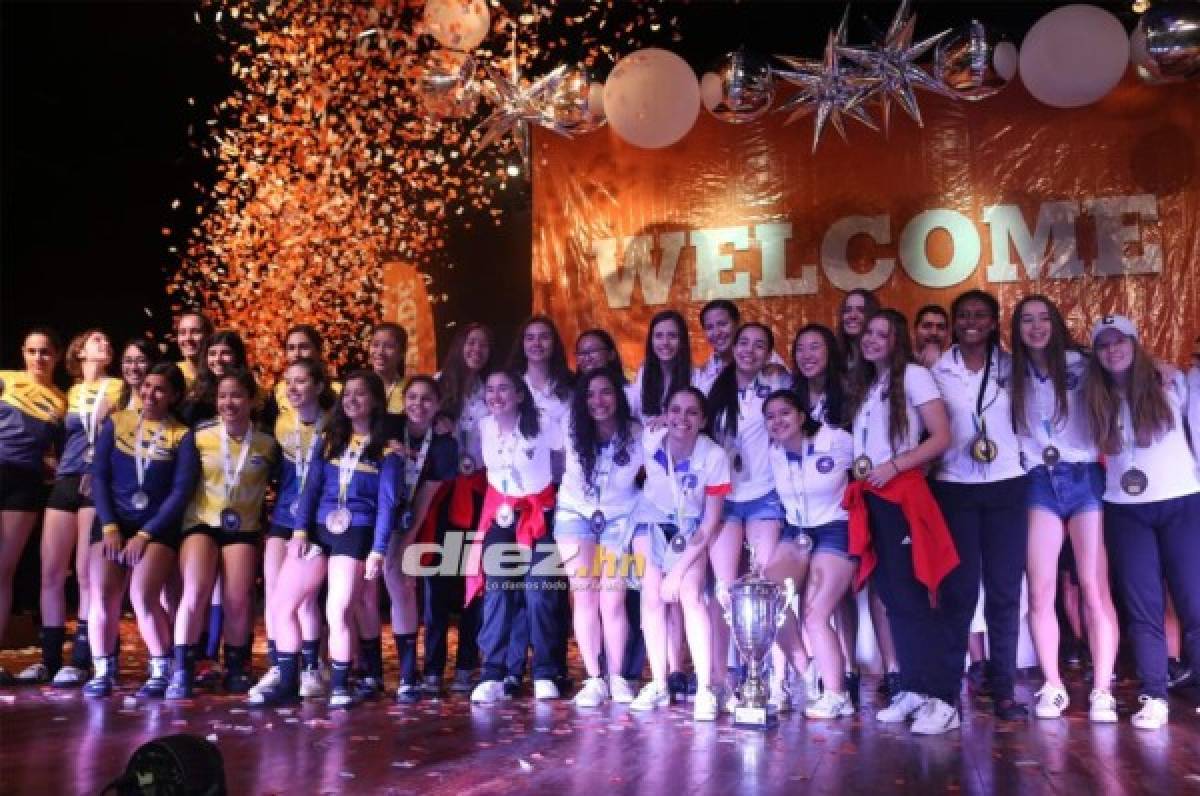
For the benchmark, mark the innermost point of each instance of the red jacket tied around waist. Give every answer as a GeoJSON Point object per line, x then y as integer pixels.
{"type": "Point", "coordinates": [531, 526]}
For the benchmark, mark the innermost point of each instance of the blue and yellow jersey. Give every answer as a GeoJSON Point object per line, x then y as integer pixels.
{"type": "Point", "coordinates": [296, 439]}
{"type": "Point", "coordinates": [81, 398]}
{"type": "Point", "coordinates": [188, 370]}
{"type": "Point", "coordinates": [278, 405]}
{"type": "Point", "coordinates": [373, 496]}
{"type": "Point", "coordinates": [203, 445]}
{"type": "Point", "coordinates": [168, 483]}
{"type": "Point", "coordinates": [31, 417]}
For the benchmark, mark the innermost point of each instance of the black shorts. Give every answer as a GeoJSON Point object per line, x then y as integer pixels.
{"type": "Point", "coordinates": [277, 531]}
{"type": "Point", "coordinates": [21, 489]}
{"type": "Point", "coordinates": [222, 537]}
{"type": "Point", "coordinates": [65, 495]}
{"type": "Point", "coordinates": [356, 542]}
{"type": "Point", "coordinates": [166, 538]}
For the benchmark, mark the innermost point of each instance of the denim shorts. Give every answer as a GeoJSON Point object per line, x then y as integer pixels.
{"type": "Point", "coordinates": [832, 537]}
{"type": "Point", "coordinates": [570, 524]}
{"type": "Point", "coordinates": [767, 507]}
{"type": "Point", "coordinates": [1067, 489]}
{"type": "Point", "coordinates": [668, 542]}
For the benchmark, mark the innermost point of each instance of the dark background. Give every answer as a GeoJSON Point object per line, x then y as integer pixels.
{"type": "Point", "coordinates": [94, 146]}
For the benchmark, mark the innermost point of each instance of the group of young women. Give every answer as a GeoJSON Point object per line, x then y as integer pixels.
{"type": "Point", "coordinates": [846, 463]}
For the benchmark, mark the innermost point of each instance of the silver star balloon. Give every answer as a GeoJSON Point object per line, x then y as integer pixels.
{"type": "Point", "coordinates": [519, 103]}
{"type": "Point", "coordinates": [826, 90]}
{"type": "Point", "coordinates": [893, 63]}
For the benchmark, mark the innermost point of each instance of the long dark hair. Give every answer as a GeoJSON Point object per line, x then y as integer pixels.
{"type": "Point", "coordinates": [1057, 346]}
{"type": "Point", "coordinates": [835, 376]}
{"type": "Point", "coordinates": [679, 368]}
{"type": "Point", "coordinates": [315, 368]}
{"type": "Point", "coordinates": [696, 393]}
{"type": "Point", "coordinates": [150, 352]}
{"type": "Point", "coordinates": [340, 429]}
{"type": "Point", "coordinates": [864, 373]}
{"type": "Point", "coordinates": [559, 371]}
{"type": "Point", "coordinates": [810, 426]}
{"type": "Point", "coordinates": [528, 416]}
{"type": "Point", "coordinates": [584, 437]}
{"type": "Point", "coordinates": [457, 381]}
{"type": "Point", "coordinates": [721, 407]}
{"type": "Point", "coordinates": [615, 366]}
{"type": "Point", "coordinates": [871, 306]}
{"type": "Point", "coordinates": [204, 388]}
{"type": "Point", "coordinates": [309, 331]}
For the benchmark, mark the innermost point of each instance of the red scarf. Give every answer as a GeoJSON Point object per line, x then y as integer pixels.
{"type": "Point", "coordinates": [531, 526]}
{"type": "Point", "coordinates": [933, 550]}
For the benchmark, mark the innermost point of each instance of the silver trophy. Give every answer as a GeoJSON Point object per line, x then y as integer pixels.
{"type": "Point", "coordinates": [756, 609]}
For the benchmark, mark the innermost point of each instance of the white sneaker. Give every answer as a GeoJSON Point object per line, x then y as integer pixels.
{"type": "Point", "coordinates": [653, 695]}
{"type": "Point", "coordinates": [1103, 708]}
{"type": "Point", "coordinates": [705, 706]}
{"type": "Point", "coordinates": [593, 694]}
{"type": "Point", "coordinates": [34, 673]}
{"type": "Point", "coordinates": [812, 682]}
{"type": "Point", "coordinates": [904, 706]}
{"type": "Point", "coordinates": [780, 698]}
{"type": "Point", "coordinates": [619, 688]}
{"type": "Point", "coordinates": [829, 705]}
{"type": "Point", "coordinates": [1153, 714]}
{"type": "Point", "coordinates": [488, 692]}
{"type": "Point", "coordinates": [311, 684]}
{"type": "Point", "coordinates": [545, 689]}
{"type": "Point", "coordinates": [1052, 700]}
{"type": "Point", "coordinates": [268, 681]}
{"type": "Point", "coordinates": [70, 676]}
{"type": "Point", "coordinates": [936, 718]}
{"type": "Point", "coordinates": [727, 698]}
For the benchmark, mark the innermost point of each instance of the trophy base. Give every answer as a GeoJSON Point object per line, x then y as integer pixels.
{"type": "Point", "coordinates": [756, 718]}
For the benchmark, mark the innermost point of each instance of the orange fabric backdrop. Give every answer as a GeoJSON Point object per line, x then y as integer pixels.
{"type": "Point", "coordinates": [1115, 185]}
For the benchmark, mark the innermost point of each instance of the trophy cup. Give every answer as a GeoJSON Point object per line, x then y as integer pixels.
{"type": "Point", "coordinates": [756, 610]}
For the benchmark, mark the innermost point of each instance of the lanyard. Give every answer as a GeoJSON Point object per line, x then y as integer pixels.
{"type": "Point", "coordinates": [413, 469]}
{"type": "Point", "coordinates": [347, 464]}
{"type": "Point", "coordinates": [601, 474]}
{"type": "Point", "coordinates": [90, 411]}
{"type": "Point", "coordinates": [234, 473]}
{"type": "Point", "coordinates": [795, 461]}
{"type": "Point", "coordinates": [302, 453]}
{"type": "Point", "coordinates": [1040, 383]}
{"type": "Point", "coordinates": [1128, 432]}
{"type": "Point", "coordinates": [507, 455]}
{"type": "Point", "coordinates": [141, 459]}
{"type": "Point", "coordinates": [677, 496]}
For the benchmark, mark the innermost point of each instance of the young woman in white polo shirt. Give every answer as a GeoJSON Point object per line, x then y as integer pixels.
{"type": "Point", "coordinates": [981, 488]}
{"type": "Point", "coordinates": [1151, 500]}
{"type": "Point", "coordinates": [522, 450]}
{"type": "Point", "coordinates": [1066, 485]}
{"type": "Point", "coordinates": [667, 364]}
{"type": "Point", "coordinates": [752, 511]}
{"type": "Point", "coordinates": [687, 477]}
{"type": "Point", "coordinates": [810, 462]}
{"type": "Point", "coordinates": [592, 525]}
{"type": "Point", "coordinates": [892, 402]}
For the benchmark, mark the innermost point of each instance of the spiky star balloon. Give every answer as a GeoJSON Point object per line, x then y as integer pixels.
{"type": "Point", "coordinates": [519, 103]}
{"type": "Point", "coordinates": [893, 64]}
{"type": "Point", "coordinates": [826, 90]}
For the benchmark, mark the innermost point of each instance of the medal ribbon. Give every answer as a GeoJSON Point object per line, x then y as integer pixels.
{"type": "Point", "coordinates": [232, 473]}
{"type": "Point", "coordinates": [141, 460]}
{"type": "Point", "coordinates": [347, 464]}
{"type": "Point", "coordinates": [677, 496]}
{"type": "Point", "coordinates": [303, 454]}
{"type": "Point", "coordinates": [90, 412]}
{"type": "Point", "coordinates": [412, 470]}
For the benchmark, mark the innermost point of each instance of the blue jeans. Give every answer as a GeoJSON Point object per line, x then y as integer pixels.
{"type": "Point", "coordinates": [1067, 489]}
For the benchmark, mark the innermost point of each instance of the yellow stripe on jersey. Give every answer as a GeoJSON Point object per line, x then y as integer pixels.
{"type": "Point", "coordinates": [188, 370]}
{"type": "Point", "coordinates": [81, 395]}
{"type": "Point", "coordinates": [286, 426]}
{"type": "Point", "coordinates": [395, 399]}
{"type": "Point", "coordinates": [39, 401]}
{"type": "Point", "coordinates": [247, 495]}
{"type": "Point", "coordinates": [125, 425]}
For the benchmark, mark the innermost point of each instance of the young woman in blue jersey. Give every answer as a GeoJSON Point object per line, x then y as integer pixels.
{"type": "Point", "coordinates": [69, 509]}
{"type": "Point", "coordinates": [31, 418]}
{"type": "Point", "coordinates": [810, 462]}
{"type": "Point", "coordinates": [221, 529]}
{"type": "Point", "coordinates": [1066, 490]}
{"type": "Point", "coordinates": [192, 330]}
{"type": "Point", "coordinates": [592, 524]}
{"type": "Point", "coordinates": [675, 521]}
{"type": "Point", "coordinates": [343, 525]}
{"type": "Point", "coordinates": [298, 433]}
{"type": "Point", "coordinates": [302, 341]}
{"type": "Point", "coordinates": [460, 383]}
{"type": "Point", "coordinates": [140, 490]}
{"type": "Point", "coordinates": [430, 459]}
{"type": "Point", "coordinates": [137, 357]}
{"type": "Point", "coordinates": [752, 511]}
{"type": "Point", "coordinates": [667, 364]}
{"type": "Point", "coordinates": [1151, 500]}
{"type": "Point", "coordinates": [522, 452]}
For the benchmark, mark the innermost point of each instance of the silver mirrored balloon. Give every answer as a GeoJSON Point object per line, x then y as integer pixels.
{"type": "Point", "coordinates": [738, 88]}
{"type": "Point", "coordinates": [974, 61]}
{"type": "Point", "coordinates": [576, 105]}
{"type": "Point", "coordinates": [1165, 45]}
{"type": "Point", "coordinates": [447, 87]}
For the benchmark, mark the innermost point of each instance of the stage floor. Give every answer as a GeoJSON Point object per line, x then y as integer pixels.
{"type": "Point", "coordinates": [54, 742]}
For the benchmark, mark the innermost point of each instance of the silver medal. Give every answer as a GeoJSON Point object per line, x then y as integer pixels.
{"type": "Point", "coordinates": [505, 516]}
{"type": "Point", "coordinates": [140, 501]}
{"type": "Point", "coordinates": [338, 520]}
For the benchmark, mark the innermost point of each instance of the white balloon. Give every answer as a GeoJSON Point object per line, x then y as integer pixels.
{"type": "Point", "coordinates": [652, 98]}
{"type": "Point", "coordinates": [1074, 56]}
{"type": "Point", "coordinates": [458, 24]}
{"type": "Point", "coordinates": [1005, 59]}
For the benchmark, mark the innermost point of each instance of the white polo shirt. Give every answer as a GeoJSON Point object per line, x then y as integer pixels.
{"type": "Point", "coordinates": [612, 488]}
{"type": "Point", "coordinates": [1193, 412]}
{"type": "Point", "coordinates": [704, 375]}
{"type": "Point", "coordinates": [750, 468]}
{"type": "Point", "coordinates": [468, 429]}
{"type": "Point", "coordinates": [872, 424]}
{"type": "Point", "coordinates": [1168, 462]}
{"type": "Point", "coordinates": [961, 388]}
{"type": "Point", "coordinates": [515, 465]}
{"type": "Point", "coordinates": [554, 409]}
{"type": "Point", "coordinates": [634, 393]}
{"type": "Point", "coordinates": [704, 473]}
{"type": "Point", "coordinates": [1070, 435]}
{"type": "Point", "coordinates": [812, 483]}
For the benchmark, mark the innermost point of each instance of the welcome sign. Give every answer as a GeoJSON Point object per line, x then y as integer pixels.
{"type": "Point", "coordinates": [1097, 207]}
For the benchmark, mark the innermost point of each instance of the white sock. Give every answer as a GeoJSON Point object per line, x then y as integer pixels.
{"type": "Point", "coordinates": [159, 666]}
{"type": "Point", "coordinates": [100, 665]}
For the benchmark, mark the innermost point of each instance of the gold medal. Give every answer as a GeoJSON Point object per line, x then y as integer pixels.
{"type": "Point", "coordinates": [1134, 482]}
{"type": "Point", "coordinates": [983, 450]}
{"type": "Point", "coordinates": [862, 466]}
